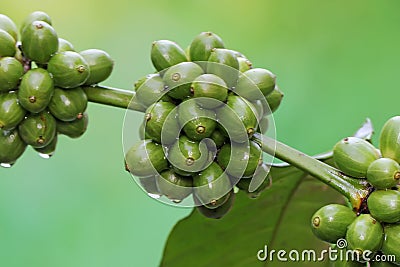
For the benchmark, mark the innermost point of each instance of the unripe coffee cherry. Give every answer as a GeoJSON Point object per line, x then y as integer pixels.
{"type": "Point", "coordinates": [174, 186]}
{"type": "Point", "coordinates": [68, 105]}
{"type": "Point", "coordinates": [353, 156]}
{"type": "Point", "coordinates": [179, 78]}
{"type": "Point", "coordinates": [203, 44]}
{"type": "Point", "coordinates": [384, 205]}
{"type": "Point", "coordinates": [209, 86]}
{"type": "Point", "coordinates": [383, 173]}
{"type": "Point", "coordinates": [186, 156]}
{"type": "Point", "coordinates": [9, 26]}
{"type": "Point", "coordinates": [11, 146]}
{"type": "Point", "coordinates": [330, 222]}
{"type": "Point", "coordinates": [75, 128]}
{"type": "Point", "coordinates": [35, 16]}
{"type": "Point", "coordinates": [216, 213]}
{"type": "Point", "coordinates": [7, 44]}
{"type": "Point", "coordinates": [255, 82]}
{"type": "Point", "coordinates": [224, 64]}
{"type": "Point", "coordinates": [156, 120]}
{"type": "Point", "coordinates": [145, 158]}
{"type": "Point", "coordinates": [100, 65]}
{"type": "Point", "coordinates": [390, 134]}
{"type": "Point", "coordinates": [38, 130]}
{"type": "Point", "coordinates": [36, 90]}
{"type": "Point", "coordinates": [150, 89]}
{"type": "Point", "coordinates": [165, 53]}
{"type": "Point", "coordinates": [39, 41]}
{"type": "Point", "coordinates": [212, 186]}
{"type": "Point", "coordinates": [391, 242]}
{"type": "Point", "coordinates": [11, 112]}
{"type": "Point", "coordinates": [238, 118]}
{"type": "Point", "coordinates": [244, 64]}
{"type": "Point", "coordinates": [69, 69]}
{"type": "Point", "coordinates": [274, 99]}
{"type": "Point", "coordinates": [364, 233]}
{"type": "Point", "coordinates": [197, 122]}
{"type": "Point", "coordinates": [11, 71]}
{"type": "Point", "coordinates": [240, 159]}
{"type": "Point", "coordinates": [64, 45]}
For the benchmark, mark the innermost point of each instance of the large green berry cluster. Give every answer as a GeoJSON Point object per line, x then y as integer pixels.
{"type": "Point", "coordinates": [377, 227]}
{"type": "Point", "coordinates": [202, 108]}
{"type": "Point", "coordinates": [40, 86]}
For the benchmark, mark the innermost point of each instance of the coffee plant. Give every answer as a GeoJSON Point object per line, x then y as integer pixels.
{"type": "Point", "coordinates": [207, 129]}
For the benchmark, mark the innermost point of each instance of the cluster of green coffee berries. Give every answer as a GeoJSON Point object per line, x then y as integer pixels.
{"type": "Point", "coordinates": [40, 86]}
{"type": "Point", "coordinates": [377, 227]}
{"type": "Point", "coordinates": [202, 108]}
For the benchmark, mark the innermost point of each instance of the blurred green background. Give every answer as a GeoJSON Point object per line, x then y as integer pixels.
{"type": "Point", "coordinates": [336, 61]}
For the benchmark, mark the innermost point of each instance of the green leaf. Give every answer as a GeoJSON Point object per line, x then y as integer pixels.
{"type": "Point", "coordinates": [279, 218]}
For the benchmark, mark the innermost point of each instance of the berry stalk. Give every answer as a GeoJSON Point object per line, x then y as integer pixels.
{"type": "Point", "coordinates": [329, 175]}
{"type": "Point", "coordinates": [113, 97]}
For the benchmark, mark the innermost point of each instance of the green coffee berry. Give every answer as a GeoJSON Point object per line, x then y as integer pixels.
{"type": "Point", "coordinates": [263, 125]}
{"type": "Point", "coordinates": [11, 71]}
{"type": "Point", "coordinates": [7, 44]}
{"type": "Point", "coordinates": [9, 26]}
{"type": "Point", "coordinates": [254, 81]}
{"type": "Point", "coordinates": [39, 41]}
{"type": "Point", "coordinates": [198, 123]}
{"type": "Point", "coordinates": [224, 64]}
{"type": "Point", "coordinates": [391, 242]}
{"type": "Point", "coordinates": [244, 64]}
{"type": "Point", "coordinates": [35, 16]}
{"type": "Point", "coordinates": [68, 105]}
{"type": "Point", "coordinates": [384, 205]}
{"type": "Point", "coordinates": [11, 112]}
{"type": "Point", "coordinates": [48, 150]}
{"type": "Point", "coordinates": [75, 128]}
{"type": "Point", "coordinates": [150, 186]}
{"type": "Point", "coordinates": [186, 156]}
{"type": "Point", "coordinates": [364, 233]}
{"type": "Point", "coordinates": [353, 156]}
{"type": "Point", "coordinates": [100, 65]}
{"type": "Point", "coordinates": [165, 53]}
{"type": "Point", "coordinates": [145, 158]}
{"type": "Point", "coordinates": [69, 69]}
{"type": "Point", "coordinates": [389, 145]}
{"type": "Point", "coordinates": [244, 184]}
{"type": "Point", "coordinates": [174, 186]}
{"type": "Point", "coordinates": [238, 118]}
{"type": "Point", "coordinates": [240, 159]}
{"type": "Point", "coordinates": [273, 100]}
{"type": "Point", "coordinates": [178, 79]}
{"type": "Point", "coordinates": [142, 132]}
{"type": "Point", "coordinates": [218, 138]}
{"type": "Point", "coordinates": [38, 130]}
{"type": "Point", "coordinates": [212, 186]}
{"type": "Point", "coordinates": [156, 120]}
{"type": "Point", "coordinates": [330, 222]}
{"type": "Point", "coordinates": [36, 90]}
{"type": "Point", "coordinates": [203, 44]}
{"type": "Point", "coordinates": [383, 173]}
{"type": "Point", "coordinates": [208, 86]}
{"type": "Point", "coordinates": [258, 108]}
{"type": "Point", "coordinates": [11, 147]}
{"type": "Point", "coordinates": [219, 212]}
{"type": "Point", "coordinates": [64, 45]}
{"type": "Point", "coordinates": [150, 89]}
